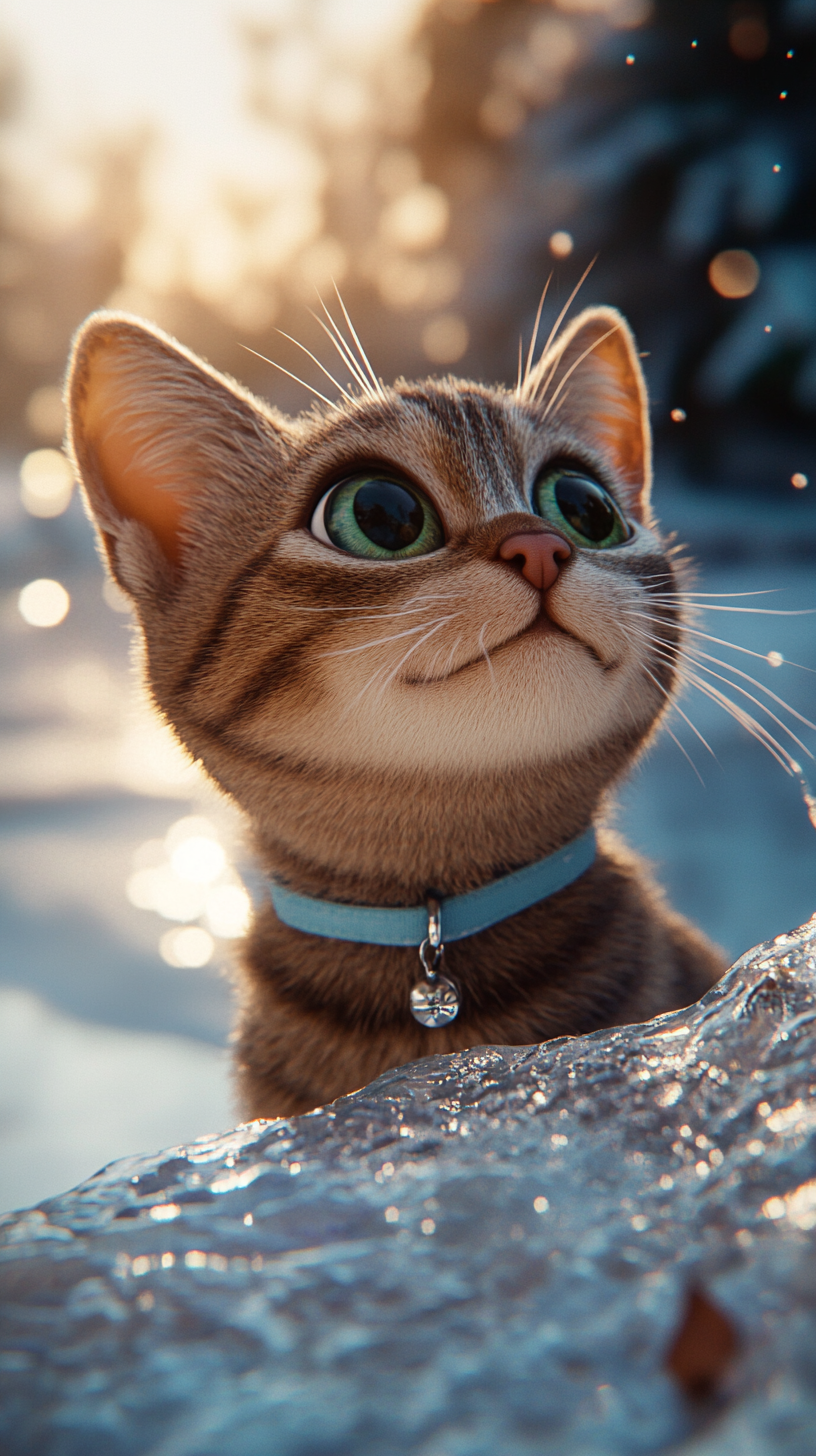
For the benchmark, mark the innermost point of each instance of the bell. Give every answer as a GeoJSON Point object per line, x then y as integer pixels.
{"type": "Point", "coordinates": [436, 1002]}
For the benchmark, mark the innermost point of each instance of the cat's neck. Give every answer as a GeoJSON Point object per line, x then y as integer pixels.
{"type": "Point", "coordinates": [446, 837]}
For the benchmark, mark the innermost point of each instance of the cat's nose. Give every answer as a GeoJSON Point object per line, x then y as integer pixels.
{"type": "Point", "coordinates": [537, 554]}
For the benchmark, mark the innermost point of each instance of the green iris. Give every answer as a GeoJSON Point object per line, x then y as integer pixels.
{"type": "Point", "coordinates": [386, 520]}
{"type": "Point", "coordinates": [580, 507]}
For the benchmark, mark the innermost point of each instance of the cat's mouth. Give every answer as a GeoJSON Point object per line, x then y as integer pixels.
{"type": "Point", "coordinates": [541, 626]}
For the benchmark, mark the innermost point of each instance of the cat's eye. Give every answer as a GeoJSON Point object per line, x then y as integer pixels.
{"type": "Point", "coordinates": [375, 516]}
{"type": "Point", "coordinates": [580, 507]}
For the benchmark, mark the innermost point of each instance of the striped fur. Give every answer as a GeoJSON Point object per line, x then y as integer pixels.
{"type": "Point", "coordinates": [391, 728]}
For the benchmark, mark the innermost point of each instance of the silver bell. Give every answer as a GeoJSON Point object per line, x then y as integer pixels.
{"type": "Point", "coordinates": [434, 1000]}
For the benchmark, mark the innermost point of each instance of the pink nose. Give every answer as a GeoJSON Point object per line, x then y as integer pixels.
{"type": "Point", "coordinates": [537, 554]}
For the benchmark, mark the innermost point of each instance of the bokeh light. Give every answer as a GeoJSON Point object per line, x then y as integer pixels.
{"type": "Point", "coordinates": [161, 890]}
{"type": "Point", "coordinates": [198, 859]}
{"type": "Point", "coordinates": [187, 948]}
{"type": "Point", "coordinates": [734, 273]}
{"type": "Point", "coordinates": [43, 603]}
{"type": "Point", "coordinates": [748, 37]}
{"type": "Point", "coordinates": [45, 413]}
{"type": "Point", "coordinates": [228, 911]}
{"type": "Point", "coordinates": [798, 480]}
{"type": "Point", "coordinates": [445, 338]}
{"type": "Point", "coordinates": [46, 483]}
{"type": "Point", "coordinates": [561, 244]}
{"type": "Point", "coordinates": [150, 758]}
{"type": "Point", "coordinates": [187, 877]}
{"type": "Point", "coordinates": [418, 220]}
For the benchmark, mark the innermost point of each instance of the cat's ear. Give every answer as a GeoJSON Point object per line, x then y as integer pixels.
{"type": "Point", "coordinates": [161, 443]}
{"type": "Point", "coordinates": [591, 380]}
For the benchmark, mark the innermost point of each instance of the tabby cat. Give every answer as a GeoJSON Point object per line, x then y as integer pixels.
{"type": "Point", "coordinates": [404, 633]}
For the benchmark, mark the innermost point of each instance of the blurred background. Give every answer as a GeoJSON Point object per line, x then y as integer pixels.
{"type": "Point", "coordinates": [215, 166]}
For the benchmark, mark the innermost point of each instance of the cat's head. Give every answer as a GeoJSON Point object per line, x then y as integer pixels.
{"type": "Point", "coordinates": [424, 582]}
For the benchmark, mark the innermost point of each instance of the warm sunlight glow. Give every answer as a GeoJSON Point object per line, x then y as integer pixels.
{"type": "Point", "coordinates": [188, 948]}
{"type": "Point", "coordinates": [229, 911]}
{"type": "Point", "coordinates": [45, 413]}
{"type": "Point", "coordinates": [231, 194]}
{"type": "Point", "coordinates": [163, 891]}
{"type": "Point", "coordinates": [417, 220]}
{"type": "Point", "coordinates": [43, 603]}
{"type": "Point", "coordinates": [46, 483]}
{"type": "Point", "coordinates": [445, 338]}
{"type": "Point", "coordinates": [150, 758]}
{"type": "Point", "coordinates": [187, 876]}
{"type": "Point", "coordinates": [198, 859]}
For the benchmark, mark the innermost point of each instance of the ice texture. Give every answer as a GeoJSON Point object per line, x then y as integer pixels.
{"type": "Point", "coordinates": [484, 1254]}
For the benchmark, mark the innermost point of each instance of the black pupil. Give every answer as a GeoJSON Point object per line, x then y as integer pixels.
{"type": "Point", "coordinates": [586, 506]}
{"type": "Point", "coordinates": [388, 514]}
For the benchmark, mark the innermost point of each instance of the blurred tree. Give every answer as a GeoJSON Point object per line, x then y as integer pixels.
{"type": "Point", "coordinates": [59, 258]}
{"type": "Point", "coordinates": [656, 136]}
{"type": "Point", "coordinates": [438, 165]}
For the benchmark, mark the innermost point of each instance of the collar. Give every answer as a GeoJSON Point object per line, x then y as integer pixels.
{"type": "Point", "coordinates": [462, 915]}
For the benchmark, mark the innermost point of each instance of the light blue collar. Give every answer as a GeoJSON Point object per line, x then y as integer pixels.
{"type": "Point", "coordinates": [462, 915]}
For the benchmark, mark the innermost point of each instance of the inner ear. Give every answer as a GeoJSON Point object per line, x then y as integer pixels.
{"type": "Point", "coordinates": [591, 381]}
{"type": "Point", "coordinates": [162, 441]}
{"type": "Point", "coordinates": [143, 477]}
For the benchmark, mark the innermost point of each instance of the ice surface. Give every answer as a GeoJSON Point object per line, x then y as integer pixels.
{"type": "Point", "coordinates": [484, 1254]}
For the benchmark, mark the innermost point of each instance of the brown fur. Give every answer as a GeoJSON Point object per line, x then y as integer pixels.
{"type": "Point", "coordinates": [393, 728]}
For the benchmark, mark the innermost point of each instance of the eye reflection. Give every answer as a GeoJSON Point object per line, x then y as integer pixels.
{"type": "Point", "coordinates": [378, 517]}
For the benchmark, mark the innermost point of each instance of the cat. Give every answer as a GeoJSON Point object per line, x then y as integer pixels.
{"type": "Point", "coordinates": [418, 635]}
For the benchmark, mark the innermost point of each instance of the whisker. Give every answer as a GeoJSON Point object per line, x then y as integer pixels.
{"type": "Point", "coordinates": [380, 641]}
{"type": "Point", "coordinates": [486, 654]}
{"type": "Point", "coordinates": [432, 675]}
{"type": "Point", "coordinates": [378, 389]}
{"type": "Point", "coordinates": [767, 592]}
{"type": "Point", "coordinates": [674, 704]}
{"type": "Point", "coordinates": [338, 342]}
{"type": "Point", "coordinates": [698, 654]}
{"type": "Point", "coordinates": [330, 402]}
{"type": "Point", "coordinates": [734, 647]}
{"type": "Point", "coordinates": [432, 664]}
{"type": "Point", "coordinates": [561, 402]}
{"type": "Point", "coordinates": [750, 724]}
{"type": "Point", "coordinates": [537, 389]}
{"type": "Point", "coordinates": [364, 689]}
{"type": "Point", "coordinates": [687, 757]}
{"type": "Point", "coordinates": [314, 360]}
{"type": "Point", "coordinates": [762, 706]}
{"type": "Point", "coordinates": [451, 655]}
{"type": "Point", "coordinates": [408, 654]}
{"type": "Point", "coordinates": [384, 668]}
{"type": "Point", "coordinates": [534, 335]}
{"type": "Point", "coordinates": [362, 614]}
{"type": "Point", "coordinates": [754, 611]}
{"type": "Point", "coordinates": [740, 714]}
